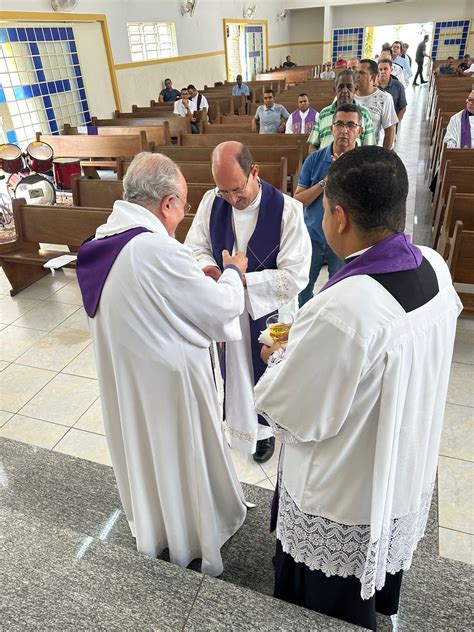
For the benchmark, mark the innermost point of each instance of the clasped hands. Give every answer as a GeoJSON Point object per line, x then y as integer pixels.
{"type": "Point", "coordinates": [239, 260]}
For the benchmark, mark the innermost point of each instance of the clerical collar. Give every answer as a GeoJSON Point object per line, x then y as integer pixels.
{"type": "Point", "coordinates": [470, 113]}
{"type": "Point", "coordinates": [357, 254]}
{"type": "Point", "coordinates": [256, 202]}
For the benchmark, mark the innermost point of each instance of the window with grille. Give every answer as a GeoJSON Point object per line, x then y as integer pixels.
{"type": "Point", "coordinates": [152, 40]}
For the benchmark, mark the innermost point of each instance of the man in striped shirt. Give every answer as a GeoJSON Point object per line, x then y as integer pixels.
{"type": "Point", "coordinates": [321, 135]}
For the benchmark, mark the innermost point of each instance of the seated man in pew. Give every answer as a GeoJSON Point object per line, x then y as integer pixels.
{"type": "Point", "coordinates": [241, 89]}
{"type": "Point", "coordinates": [199, 101]}
{"type": "Point", "coordinates": [185, 107]}
{"type": "Point", "coordinates": [271, 117]}
{"type": "Point", "coordinates": [247, 214]}
{"type": "Point", "coordinates": [301, 121]}
{"type": "Point", "coordinates": [460, 130]}
{"type": "Point", "coordinates": [288, 63]}
{"type": "Point", "coordinates": [168, 94]}
{"type": "Point", "coordinates": [153, 315]}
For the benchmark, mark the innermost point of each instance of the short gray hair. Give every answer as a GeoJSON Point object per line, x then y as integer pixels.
{"type": "Point", "coordinates": [150, 178]}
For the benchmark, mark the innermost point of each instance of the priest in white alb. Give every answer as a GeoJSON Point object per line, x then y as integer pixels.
{"type": "Point", "coordinates": [358, 398]}
{"type": "Point", "coordinates": [246, 213]}
{"type": "Point", "coordinates": [153, 315]}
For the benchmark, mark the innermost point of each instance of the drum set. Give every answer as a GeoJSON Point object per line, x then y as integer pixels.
{"type": "Point", "coordinates": [36, 175]}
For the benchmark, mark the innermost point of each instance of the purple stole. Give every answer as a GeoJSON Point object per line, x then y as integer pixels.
{"type": "Point", "coordinates": [262, 251]}
{"type": "Point", "coordinates": [465, 130]}
{"type": "Point", "coordinates": [392, 254]}
{"type": "Point", "coordinates": [308, 123]}
{"type": "Point", "coordinates": [94, 262]}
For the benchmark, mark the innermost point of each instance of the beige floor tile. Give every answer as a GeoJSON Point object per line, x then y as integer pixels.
{"type": "Point", "coordinates": [18, 384]}
{"type": "Point", "coordinates": [456, 494]}
{"type": "Point", "coordinates": [46, 316]}
{"type": "Point", "coordinates": [45, 287]}
{"type": "Point", "coordinates": [266, 484]}
{"type": "Point", "coordinates": [33, 431]}
{"type": "Point", "coordinates": [464, 347]}
{"type": "Point", "coordinates": [63, 400]}
{"type": "Point", "coordinates": [14, 341]}
{"type": "Point", "coordinates": [4, 417]}
{"type": "Point", "coordinates": [466, 322]}
{"type": "Point", "coordinates": [247, 470]}
{"type": "Point", "coordinates": [12, 307]}
{"type": "Point", "coordinates": [84, 445]}
{"type": "Point", "coordinates": [70, 293]}
{"type": "Point", "coordinates": [56, 349]}
{"type": "Point", "coordinates": [83, 364]}
{"type": "Point", "coordinates": [461, 384]}
{"type": "Point", "coordinates": [3, 365]}
{"type": "Point", "coordinates": [91, 420]}
{"type": "Point", "coordinates": [5, 286]}
{"type": "Point", "coordinates": [456, 545]}
{"type": "Point", "coordinates": [457, 438]}
{"type": "Point", "coordinates": [78, 320]}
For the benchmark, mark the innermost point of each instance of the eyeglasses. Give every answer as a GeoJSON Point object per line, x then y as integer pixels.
{"type": "Point", "coordinates": [349, 125]}
{"type": "Point", "coordinates": [469, 100]}
{"type": "Point", "coordinates": [239, 191]}
{"type": "Point", "coordinates": [187, 205]}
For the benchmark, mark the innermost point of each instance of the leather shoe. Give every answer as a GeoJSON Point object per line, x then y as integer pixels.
{"type": "Point", "coordinates": [265, 450]}
{"type": "Point", "coordinates": [415, 84]}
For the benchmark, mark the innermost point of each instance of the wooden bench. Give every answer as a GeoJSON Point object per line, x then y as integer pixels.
{"type": "Point", "coordinates": [459, 207]}
{"type": "Point", "coordinates": [460, 177]}
{"type": "Point", "coordinates": [248, 139]}
{"type": "Point", "coordinates": [156, 135]}
{"type": "Point", "coordinates": [35, 225]}
{"type": "Point", "coordinates": [176, 124]}
{"type": "Point", "coordinates": [461, 264]}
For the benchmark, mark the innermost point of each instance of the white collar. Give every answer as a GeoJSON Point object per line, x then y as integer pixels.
{"type": "Point", "coordinates": [359, 252]}
{"type": "Point", "coordinates": [126, 215]}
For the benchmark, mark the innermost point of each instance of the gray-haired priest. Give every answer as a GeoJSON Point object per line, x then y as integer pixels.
{"type": "Point", "coordinates": [153, 314]}
{"type": "Point", "coordinates": [358, 398]}
{"type": "Point", "coordinates": [248, 214]}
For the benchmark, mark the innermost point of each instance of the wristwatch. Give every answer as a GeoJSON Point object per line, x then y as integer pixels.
{"type": "Point", "coordinates": [322, 184]}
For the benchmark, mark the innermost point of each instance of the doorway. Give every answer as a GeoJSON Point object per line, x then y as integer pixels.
{"type": "Point", "coordinates": [246, 48]}
{"type": "Point", "coordinates": [411, 34]}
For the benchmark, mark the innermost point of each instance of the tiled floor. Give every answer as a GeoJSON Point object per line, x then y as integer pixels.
{"type": "Point", "coordinates": [49, 394]}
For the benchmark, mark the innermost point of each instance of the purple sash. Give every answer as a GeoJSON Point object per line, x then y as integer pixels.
{"type": "Point", "coordinates": [308, 123]}
{"type": "Point", "coordinates": [262, 250]}
{"type": "Point", "coordinates": [465, 130]}
{"type": "Point", "coordinates": [94, 262]}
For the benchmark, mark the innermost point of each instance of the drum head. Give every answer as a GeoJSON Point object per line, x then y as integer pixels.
{"type": "Point", "coordinates": [36, 190]}
{"type": "Point", "coordinates": [40, 150]}
{"type": "Point", "coordinates": [11, 159]}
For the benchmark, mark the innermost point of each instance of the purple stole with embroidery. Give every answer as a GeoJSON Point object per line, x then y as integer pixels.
{"type": "Point", "coordinates": [262, 251]}
{"type": "Point", "coordinates": [465, 130]}
{"type": "Point", "coordinates": [308, 123]}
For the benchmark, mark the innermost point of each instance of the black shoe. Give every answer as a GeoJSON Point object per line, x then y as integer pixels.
{"type": "Point", "coordinates": [415, 84]}
{"type": "Point", "coordinates": [265, 450]}
{"type": "Point", "coordinates": [423, 81]}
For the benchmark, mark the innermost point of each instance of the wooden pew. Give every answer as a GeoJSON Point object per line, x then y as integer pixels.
{"type": "Point", "coordinates": [176, 124]}
{"type": "Point", "coordinates": [459, 207]}
{"type": "Point", "coordinates": [461, 264]}
{"type": "Point", "coordinates": [100, 151]}
{"type": "Point", "coordinates": [156, 135]}
{"type": "Point", "coordinates": [460, 177]}
{"type": "Point", "coordinates": [248, 139]}
{"type": "Point", "coordinates": [23, 264]}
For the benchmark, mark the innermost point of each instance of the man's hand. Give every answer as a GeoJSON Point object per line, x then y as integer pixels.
{"type": "Point", "coordinates": [266, 352]}
{"type": "Point", "coordinates": [239, 260]}
{"type": "Point", "coordinates": [212, 271]}
{"type": "Point", "coordinates": [281, 127]}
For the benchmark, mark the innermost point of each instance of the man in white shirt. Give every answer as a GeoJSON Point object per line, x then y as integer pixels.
{"type": "Point", "coordinates": [358, 399]}
{"type": "Point", "coordinates": [397, 48]}
{"type": "Point", "coordinates": [379, 103]}
{"type": "Point", "coordinates": [247, 214]}
{"type": "Point", "coordinates": [185, 107]}
{"type": "Point", "coordinates": [152, 316]}
{"type": "Point", "coordinates": [199, 101]}
{"type": "Point", "coordinates": [460, 130]}
{"type": "Point", "coordinates": [328, 73]}
{"type": "Point", "coordinates": [301, 121]}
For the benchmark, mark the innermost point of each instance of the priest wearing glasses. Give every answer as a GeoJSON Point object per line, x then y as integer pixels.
{"type": "Point", "coordinates": [358, 400]}
{"type": "Point", "coordinates": [245, 213]}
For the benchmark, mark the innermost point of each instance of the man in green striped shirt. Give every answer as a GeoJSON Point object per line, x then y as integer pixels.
{"type": "Point", "coordinates": [321, 136]}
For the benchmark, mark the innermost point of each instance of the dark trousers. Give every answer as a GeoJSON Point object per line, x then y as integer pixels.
{"type": "Point", "coordinates": [334, 596]}
{"type": "Point", "coordinates": [419, 72]}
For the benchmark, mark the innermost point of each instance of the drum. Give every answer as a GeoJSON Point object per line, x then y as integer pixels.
{"type": "Point", "coordinates": [34, 188]}
{"type": "Point", "coordinates": [11, 159]}
{"type": "Point", "coordinates": [63, 169]}
{"type": "Point", "coordinates": [39, 156]}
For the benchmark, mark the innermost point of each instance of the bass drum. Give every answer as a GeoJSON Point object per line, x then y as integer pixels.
{"type": "Point", "coordinates": [35, 189]}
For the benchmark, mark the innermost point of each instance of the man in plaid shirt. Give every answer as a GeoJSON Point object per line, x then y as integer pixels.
{"type": "Point", "coordinates": [321, 135]}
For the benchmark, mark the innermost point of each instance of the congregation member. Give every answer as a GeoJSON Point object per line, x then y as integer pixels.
{"type": "Point", "coordinates": [361, 436]}
{"type": "Point", "coordinates": [340, 61]}
{"type": "Point", "coordinates": [401, 61]}
{"type": "Point", "coordinates": [396, 70]}
{"type": "Point", "coordinates": [346, 129]}
{"type": "Point", "coordinates": [466, 63]}
{"type": "Point", "coordinates": [301, 121]}
{"type": "Point", "coordinates": [448, 69]}
{"type": "Point", "coordinates": [168, 94]}
{"type": "Point", "coordinates": [328, 73]}
{"type": "Point", "coordinates": [199, 102]}
{"type": "Point", "coordinates": [271, 117]}
{"type": "Point", "coordinates": [353, 64]}
{"type": "Point", "coordinates": [247, 214]}
{"type": "Point", "coordinates": [469, 71]}
{"type": "Point", "coordinates": [185, 107]}
{"type": "Point", "coordinates": [393, 86]}
{"type": "Point", "coordinates": [379, 103]}
{"type": "Point", "coordinates": [288, 63]}
{"type": "Point", "coordinates": [460, 130]}
{"type": "Point", "coordinates": [420, 59]}
{"type": "Point", "coordinates": [321, 135]}
{"type": "Point", "coordinates": [241, 89]}
{"type": "Point", "coordinates": [152, 316]}
{"type": "Point", "coordinates": [405, 54]}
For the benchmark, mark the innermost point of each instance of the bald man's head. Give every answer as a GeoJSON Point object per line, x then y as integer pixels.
{"type": "Point", "coordinates": [235, 174]}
